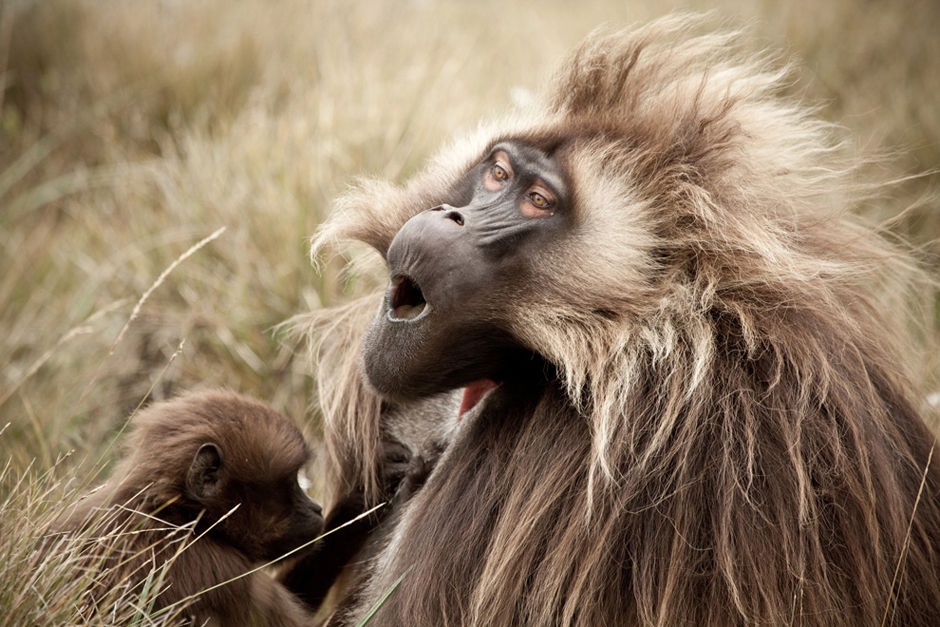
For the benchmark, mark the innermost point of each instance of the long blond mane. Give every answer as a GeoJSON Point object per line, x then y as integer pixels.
{"type": "Point", "coordinates": [731, 333]}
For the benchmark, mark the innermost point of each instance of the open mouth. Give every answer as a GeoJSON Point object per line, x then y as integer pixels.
{"type": "Point", "coordinates": [405, 300]}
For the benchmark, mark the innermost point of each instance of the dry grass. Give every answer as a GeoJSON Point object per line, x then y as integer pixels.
{"type": "Point", "coordinates": [48, 578]}
{"type": "Point", "coordinates": [131, 131]}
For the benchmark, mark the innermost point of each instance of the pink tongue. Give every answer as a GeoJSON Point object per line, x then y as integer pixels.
{"type": "Point", "coordinates": [472, 395]}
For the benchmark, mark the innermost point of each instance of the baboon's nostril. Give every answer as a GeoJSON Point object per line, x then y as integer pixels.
{"type": "Point", "coordinates": [455, 216]}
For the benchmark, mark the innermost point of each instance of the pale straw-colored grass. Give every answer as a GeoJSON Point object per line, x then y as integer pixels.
{"type": "Point", "coordinates": [131, 131]}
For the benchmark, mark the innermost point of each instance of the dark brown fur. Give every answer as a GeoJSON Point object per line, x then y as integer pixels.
{"type": "Point", "coordinates": [732, 436]}
{"type": "Point", "coordinates": [139, 521]}
{"type": "Point", "coordinates": [413, 438]}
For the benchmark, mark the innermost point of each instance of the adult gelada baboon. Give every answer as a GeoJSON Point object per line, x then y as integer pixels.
{"type": "Point", "coordinates": [217, 473]}
{"type": "Point", "coordinates": [701, 413]}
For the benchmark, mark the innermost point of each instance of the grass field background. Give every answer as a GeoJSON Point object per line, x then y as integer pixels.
{"type": "Point", "coordinates": [131, 131]}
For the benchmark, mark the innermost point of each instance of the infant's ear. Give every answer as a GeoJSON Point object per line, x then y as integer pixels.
{"type": "Point", "coordinates": [204, 477]}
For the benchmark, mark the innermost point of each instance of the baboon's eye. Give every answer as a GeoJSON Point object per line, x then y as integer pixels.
{"type": "Point", "coordinates": [538, 202]}
{"type": "Point", "coordinates": [498, 173]}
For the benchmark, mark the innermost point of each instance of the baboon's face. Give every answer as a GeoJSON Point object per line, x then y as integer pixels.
{"type": "Point", "coordinates": [256, 505]}
{"type": "Point", "coordinates": [456, 271]}
{"type": "Point", "coordinates": [274, 516]}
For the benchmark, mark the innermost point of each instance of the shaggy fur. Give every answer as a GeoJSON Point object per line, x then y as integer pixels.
{"type": "Point", "coordinates": [142, 523]}
{"type": "Point", "coordinates": [731, 437]}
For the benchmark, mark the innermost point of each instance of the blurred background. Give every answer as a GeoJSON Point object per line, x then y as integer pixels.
{"type": "Point", "coordinates": [130, 131]}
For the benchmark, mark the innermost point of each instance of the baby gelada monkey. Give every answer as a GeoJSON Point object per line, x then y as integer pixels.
{"type": "Point", "coordinates": [217, 471]}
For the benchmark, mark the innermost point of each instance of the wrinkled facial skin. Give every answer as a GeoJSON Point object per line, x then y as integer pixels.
{"type": "Point", "coordinates": [455, 271]}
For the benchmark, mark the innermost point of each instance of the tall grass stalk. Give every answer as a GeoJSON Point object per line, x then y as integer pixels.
{"type": "Point", "coordinates": [128, 131]}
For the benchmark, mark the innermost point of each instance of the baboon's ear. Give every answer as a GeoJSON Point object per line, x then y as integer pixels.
{"type": "Point", "coordinates": [204, 476]}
